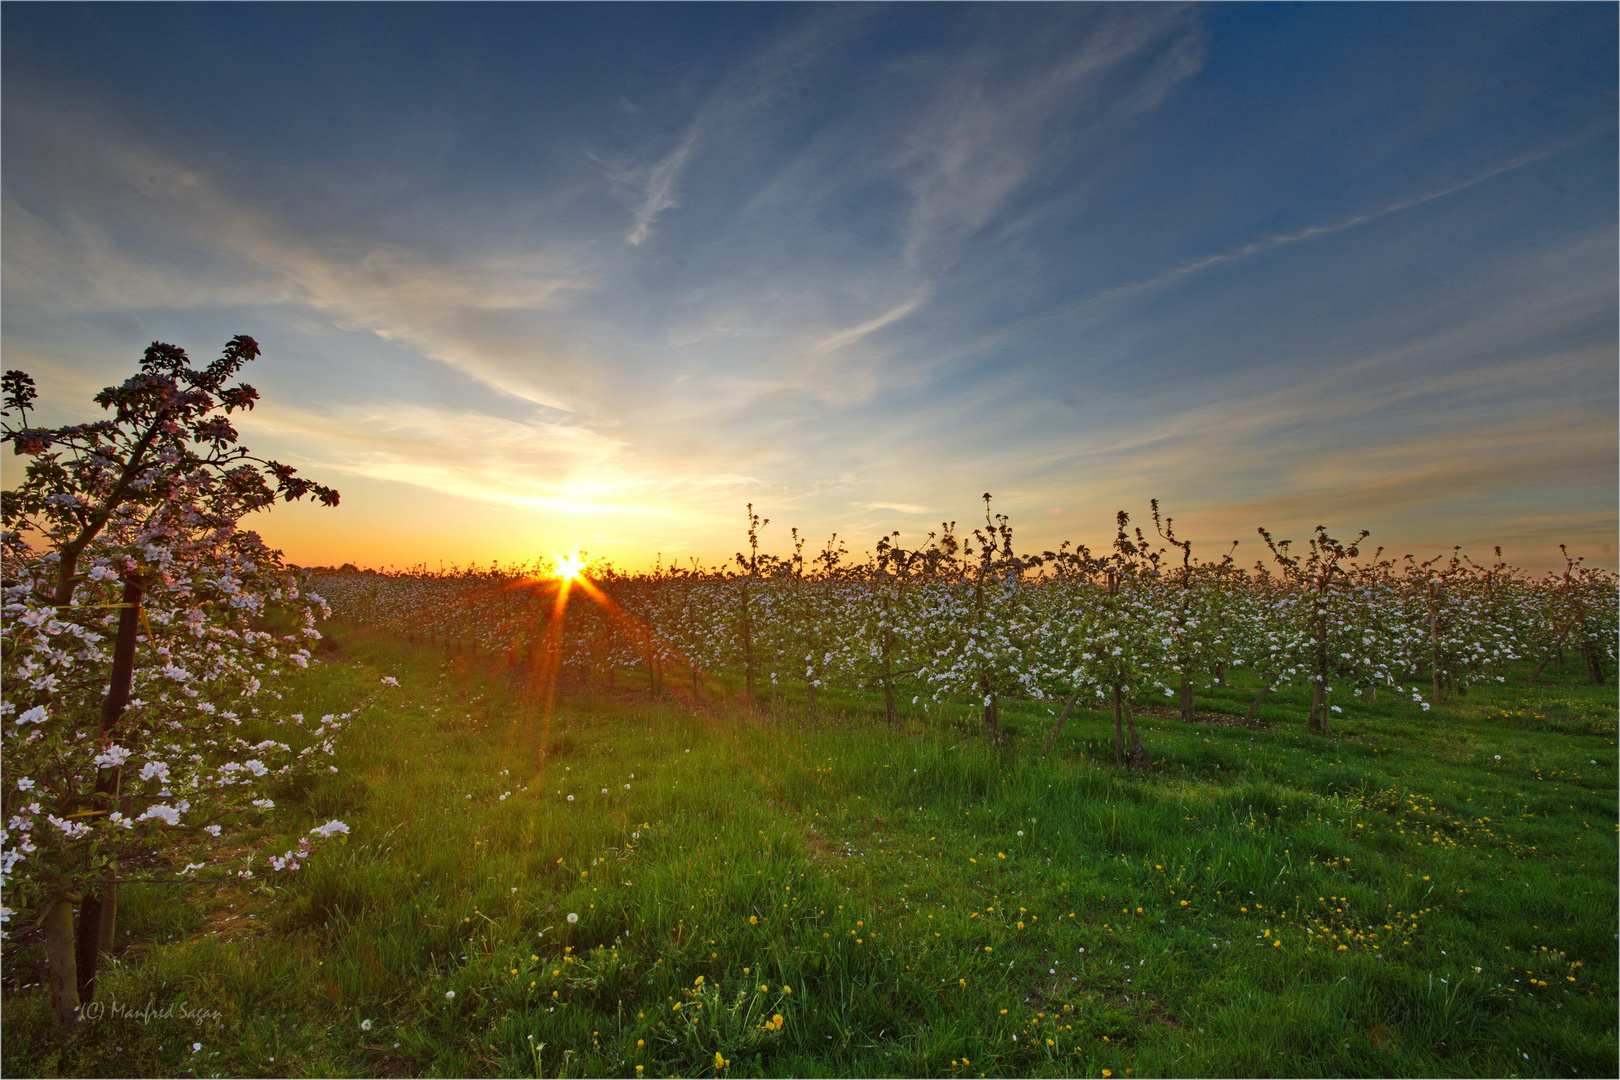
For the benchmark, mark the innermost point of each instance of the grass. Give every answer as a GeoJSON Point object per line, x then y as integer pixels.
{"type": "Point", "coordinates": [1416, 894]}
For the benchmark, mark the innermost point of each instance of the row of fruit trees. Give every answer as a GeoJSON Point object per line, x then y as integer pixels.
{"type": "Point", "coordinates": [965, 618]}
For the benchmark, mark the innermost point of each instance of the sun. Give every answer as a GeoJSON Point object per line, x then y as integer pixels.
{"type": "Point", "coordinates": [568, 569]}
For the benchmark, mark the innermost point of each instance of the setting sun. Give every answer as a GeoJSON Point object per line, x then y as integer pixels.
{"type": "Point", "coordinates": [568, 569]}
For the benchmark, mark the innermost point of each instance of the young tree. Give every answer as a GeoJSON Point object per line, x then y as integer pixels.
{"type": "Point", "coordinates": [126, 759]}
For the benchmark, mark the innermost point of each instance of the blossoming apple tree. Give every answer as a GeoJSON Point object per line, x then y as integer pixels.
{"type": "Point", "coordinates": [142, 625]}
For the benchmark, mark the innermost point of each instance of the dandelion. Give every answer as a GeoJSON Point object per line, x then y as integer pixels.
{"type": "Point", "coordinates": [753, 920]}
{"type": "Point", "coordinates": [573, 917]}
{"type": "Point", "coordinates": [449, 995]}
{"type": "Point", "coordinates": [365, 1025]}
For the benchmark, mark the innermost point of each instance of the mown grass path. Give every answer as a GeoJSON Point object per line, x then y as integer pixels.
{"type": "Point", "coordinates": [1416, 895]}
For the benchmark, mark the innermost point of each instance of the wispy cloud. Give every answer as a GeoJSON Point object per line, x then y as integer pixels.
{"type": "Point", "coordinates": [95, 254]}
{"type": "Point", "coordinates": [850, 335]}
{"type": "Point", "coordinates": [658, 191]}
{"type": "Point", "coordinates": [1267, 244]}
{"type": "Point", "coordinates": [1001, 115]}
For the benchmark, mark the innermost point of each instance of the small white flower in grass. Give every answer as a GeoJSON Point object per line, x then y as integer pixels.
{"type": "Point", "coordinates": [1020, 832]}
{"type": "Point", "coordinates": [570, 798]}
{"type": "Point", "coordinates": [449, 995]}
{"type": "Point", "coordinates": [573, 916]}
{"type": "Point", "coordinates": [604, 791]}
{"type": "Point", "coordinates": [333, 826]}
{"type": "Point", "coordinates": [387, 680]}
{"type": "Point", "coordinates": [365, 1025]}
{"type": "Point", "coordinates": [196, 1047]}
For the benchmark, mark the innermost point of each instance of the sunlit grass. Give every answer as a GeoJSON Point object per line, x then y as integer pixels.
{"type": "Point", "coordinates": [1416, 894]}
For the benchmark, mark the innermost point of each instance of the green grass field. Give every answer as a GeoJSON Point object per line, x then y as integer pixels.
{"type": "Point", "coordinates": [1418, 894]}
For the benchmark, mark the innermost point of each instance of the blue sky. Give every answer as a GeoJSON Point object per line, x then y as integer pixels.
{"type": "Point", "coordinates": [537, 278]}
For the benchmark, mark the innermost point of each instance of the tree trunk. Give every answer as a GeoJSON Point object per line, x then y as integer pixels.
{"type": "Point", "coordinates": [748, 654]}
{"type": "Point", "coordinates": [99, 912]}
{"type": "Point", "coordinates": [1135, 755]}
{"type": "Point", "coordinates": [1057, 728]}
{"type": "Point", "coordinates": [1319, 714]}
{"type": "Point", "coordinates": [1187, 712]}
{"type": "Point", "coordinates": [1119, 729]}
{"type": "Point", "coordinates": [61, 968]}
{"type": "Point", "coordinates": [992, 718]}
{"type": "Point", "coordinates": [1547, 660]}
{"type": "Point", "coordinates": [1264, 690]}
{"type": "Point", "coordinates": [1594, 662]}
{"type": "Point", "coordinates": [890, 713]}
{"type": "Point", "coordinates": [1434, 641]}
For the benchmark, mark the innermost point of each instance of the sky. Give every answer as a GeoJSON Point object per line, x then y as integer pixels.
{"type": "Point", "coordinates": [532, 279]}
